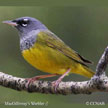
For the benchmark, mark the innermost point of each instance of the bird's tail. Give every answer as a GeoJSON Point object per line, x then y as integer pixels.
{"type": "Point", "coordinates": [84, 71]}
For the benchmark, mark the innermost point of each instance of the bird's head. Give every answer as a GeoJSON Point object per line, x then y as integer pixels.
{"type": "Point", "coordinates": [25, 25]}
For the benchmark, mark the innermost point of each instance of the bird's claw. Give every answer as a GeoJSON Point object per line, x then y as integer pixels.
{"type": "Point", "coordinates": [56, 84]}
{"type": "Point", "coordinates": [30, 81]}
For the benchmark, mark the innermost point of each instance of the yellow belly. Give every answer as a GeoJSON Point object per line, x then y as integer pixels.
{"type": "Point", "coordinates": [46, 59]}
{"type": "Point", "coordinates": [52, 61]}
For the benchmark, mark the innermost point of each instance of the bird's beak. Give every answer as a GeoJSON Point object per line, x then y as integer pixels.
{"type": "Point", "coordinates": [10, 23]}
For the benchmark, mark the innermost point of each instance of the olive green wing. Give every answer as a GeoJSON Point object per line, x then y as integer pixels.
{"type": "Point", "coordinates": [51, 40]}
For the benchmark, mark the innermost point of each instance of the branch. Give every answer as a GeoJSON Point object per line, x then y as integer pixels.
{"type": "Point", "coordinates": [98, 83]}
{"type": "Point", "coordinates": [102, 64]}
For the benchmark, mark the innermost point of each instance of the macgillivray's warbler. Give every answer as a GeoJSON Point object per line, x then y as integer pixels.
{"type": "Point", "coordinates": [46, 52]}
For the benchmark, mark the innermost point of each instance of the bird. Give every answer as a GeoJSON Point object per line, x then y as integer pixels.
{"type": "Point", "coordinates": [45, 51]}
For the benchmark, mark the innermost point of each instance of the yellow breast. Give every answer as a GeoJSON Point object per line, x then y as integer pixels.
{"type": "Point", "coordinates": [46, 59]}
{"type": "Point", "coordinates": [52, 61]}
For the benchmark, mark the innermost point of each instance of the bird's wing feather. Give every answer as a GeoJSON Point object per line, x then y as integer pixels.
{"type": "Point", "coordinates": [54, 42]}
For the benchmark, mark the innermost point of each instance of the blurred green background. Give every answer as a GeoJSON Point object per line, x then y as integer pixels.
{"type": "Point", "coordinates": [85, 29]}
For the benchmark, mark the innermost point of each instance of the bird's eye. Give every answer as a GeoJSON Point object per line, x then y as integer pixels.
{"type": "Point", "coordinates": [24, 22]}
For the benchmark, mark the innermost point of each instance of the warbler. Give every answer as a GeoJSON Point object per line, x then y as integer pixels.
{"type": "Point", "coordinates": [47, 52]}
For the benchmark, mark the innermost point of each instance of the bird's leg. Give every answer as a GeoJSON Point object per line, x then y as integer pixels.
{"type": "Point", "coordinates": [56, 83]}
{"type": "Point", "coordinates": [31, 80]}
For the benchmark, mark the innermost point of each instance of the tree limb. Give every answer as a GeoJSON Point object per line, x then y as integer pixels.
{"type": "Point", "coordinates": [98, 83]}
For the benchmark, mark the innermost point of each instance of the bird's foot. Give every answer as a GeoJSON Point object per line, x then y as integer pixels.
{"type": "Point", "coordinates": [31, 80]}
{"type": "Point", "coordinates": [57, 82]}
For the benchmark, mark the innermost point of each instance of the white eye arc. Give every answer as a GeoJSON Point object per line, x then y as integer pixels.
{"type": "Point", "coordinates": [24, 25]}
{"type": "Point", "coordinates": [25, 19]}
